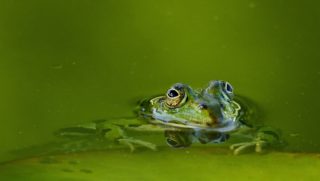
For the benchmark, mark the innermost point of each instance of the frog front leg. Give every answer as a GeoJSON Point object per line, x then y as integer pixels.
{"type": "Point", "coordinates": [238, 148]}
{"type": "Point", "coordinates": [265, 137]}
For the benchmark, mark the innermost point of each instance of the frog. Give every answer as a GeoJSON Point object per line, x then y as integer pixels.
{"type": "Point", "coordinates": [186, 116]}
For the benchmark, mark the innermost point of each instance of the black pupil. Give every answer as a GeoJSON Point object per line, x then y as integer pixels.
{"type": "Point", "coordinates": [173, 93]}
{"type": "Point", "coordinates": [229, 88]}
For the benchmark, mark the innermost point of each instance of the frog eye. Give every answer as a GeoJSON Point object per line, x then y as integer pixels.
{"type": "Point", "coordinates": [172, 93]}
{"type": "Point", "coordinates": [227, 87]}
{"type": "Point", "coordinates": [175, 97]}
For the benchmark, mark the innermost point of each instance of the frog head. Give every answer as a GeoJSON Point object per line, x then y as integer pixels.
{"type": "Point", "coordinates": [211, 108]}
{"type": "Point", "coordinates": [221, 91]}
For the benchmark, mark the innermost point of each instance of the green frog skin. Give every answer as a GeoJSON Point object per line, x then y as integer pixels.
{"type": "Point", "coordinates": [185, 116]}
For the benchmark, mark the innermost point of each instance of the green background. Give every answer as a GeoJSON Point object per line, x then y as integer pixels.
{"type": "Point", "coordinates": [64, 62]}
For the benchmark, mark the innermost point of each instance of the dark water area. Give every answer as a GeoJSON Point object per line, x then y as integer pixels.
{"type": "Point", "coordinates": [68, 62]}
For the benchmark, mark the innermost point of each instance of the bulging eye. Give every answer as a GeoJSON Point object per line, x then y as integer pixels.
{"type": "Point", "coordinates": [220, 89]}
{"type": "Point", "coordinates": [172, 93]}
{"type": "Point", "coordinates": [228, 87]}
{"type": "Point", "coordinates": [175, 96]}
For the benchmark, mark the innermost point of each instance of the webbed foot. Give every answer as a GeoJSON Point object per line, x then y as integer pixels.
{"type": "Point", "coordinates": [266, 137]}
{"type": "Point", "coordinates": [132, 143]}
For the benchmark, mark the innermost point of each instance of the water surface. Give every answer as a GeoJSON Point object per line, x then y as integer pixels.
{"type": "Point", "coordinates": [66, 62]}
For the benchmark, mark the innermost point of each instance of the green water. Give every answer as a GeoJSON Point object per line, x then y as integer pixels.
{"type": "Point", "coordinates": [66, 62]}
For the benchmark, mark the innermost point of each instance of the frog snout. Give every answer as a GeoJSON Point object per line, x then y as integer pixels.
{"type": "Point", "coordinates": [143, 108]}
{"type": "Point", "coordinates": [203, 106]}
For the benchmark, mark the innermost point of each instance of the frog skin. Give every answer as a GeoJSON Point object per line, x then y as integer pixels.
{"type": "Point", "coordinates": [186, 116]}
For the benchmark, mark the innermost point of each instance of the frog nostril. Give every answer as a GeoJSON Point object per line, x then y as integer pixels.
{"type": "Point", "coordinates": [203, 106]}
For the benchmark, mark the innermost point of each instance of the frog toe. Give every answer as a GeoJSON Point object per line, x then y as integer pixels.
{"type": "Point", "coordinates": [132, 143]}
{"type": "Point", "coordinates": [239, 148]}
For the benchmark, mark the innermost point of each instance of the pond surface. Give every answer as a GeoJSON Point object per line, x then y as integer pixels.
{"type": "Point", "coordinates": [68, 62]}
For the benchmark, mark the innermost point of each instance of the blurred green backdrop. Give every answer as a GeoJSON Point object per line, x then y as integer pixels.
{"type": "Point", "coordinates": [65, 62]}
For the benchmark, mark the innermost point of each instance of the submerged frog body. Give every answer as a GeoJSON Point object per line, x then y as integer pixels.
{"type": "Point", "coordinates": [186, 115]}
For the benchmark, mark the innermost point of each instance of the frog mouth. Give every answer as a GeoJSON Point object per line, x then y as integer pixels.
{"type": "Point", "coordinates": [229, 126]}
{"type": "Point", "coordinates": [170, 120]}
{"type": "Point", "coordinates": [144, 108]}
